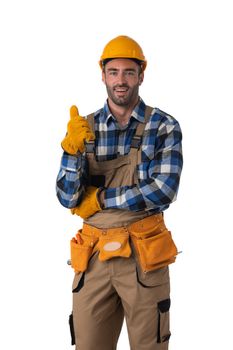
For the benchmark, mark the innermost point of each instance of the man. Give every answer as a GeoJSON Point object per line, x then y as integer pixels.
{"type": "Point", "coordinates": [119, 171]}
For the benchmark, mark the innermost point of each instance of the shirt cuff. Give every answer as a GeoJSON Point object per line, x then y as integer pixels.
{"type": "Point", "coordinates": [70, 162]}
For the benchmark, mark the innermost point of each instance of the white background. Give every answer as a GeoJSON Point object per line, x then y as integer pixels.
{"type": "Point", "coordinates": [49, 54]}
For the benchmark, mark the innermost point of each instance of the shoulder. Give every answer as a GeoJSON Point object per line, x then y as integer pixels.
{"type": "Point", "coordinates": [162, 117]}
{"type": "Point", "coordinates": [99, 115]}
{"type": "Point", "coordinates": [162, 122]}
{"type": "Point", "coordinates": [95, 114]}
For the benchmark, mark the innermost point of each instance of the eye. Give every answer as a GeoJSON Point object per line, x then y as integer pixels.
{"type": "Point", "coordinates": [130, 73]}
{"type": "Point", "coordinates": [112, 73]}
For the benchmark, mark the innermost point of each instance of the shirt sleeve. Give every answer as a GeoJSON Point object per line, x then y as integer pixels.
{"type": "Point", "coordinates": [158, 177]}
{"type": "Point", "coordinates": [71, 180]}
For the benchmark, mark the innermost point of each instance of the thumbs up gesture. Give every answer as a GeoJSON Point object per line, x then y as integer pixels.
{"type": "Point", "coordinates": [78, 131]}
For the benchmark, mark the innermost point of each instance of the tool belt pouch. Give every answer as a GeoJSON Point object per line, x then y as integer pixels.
{"type": "Point", "coordinates": [155, 248]}
{"type": "Point", "coordinates": [113, 246]}
{"type": "Point", "coordinates": [81, 252]}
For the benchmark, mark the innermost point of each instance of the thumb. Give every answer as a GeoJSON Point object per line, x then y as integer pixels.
{"type": "Point", "coordinates": [73, 112]}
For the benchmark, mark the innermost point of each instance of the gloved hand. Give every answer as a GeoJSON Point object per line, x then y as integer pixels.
{"type": "Point", "coordinates": [78, 131]}
{"type": "Point", "coordinates": [90, 203]}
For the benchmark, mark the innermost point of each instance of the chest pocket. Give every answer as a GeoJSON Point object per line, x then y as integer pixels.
{"type": "Point", "coordinates": [112, 173]}
{"type": "Point", "coordinates": [122, 171]}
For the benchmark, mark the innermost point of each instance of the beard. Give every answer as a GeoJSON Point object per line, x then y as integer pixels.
{"type": "Point", "coordinates": [123, 99]}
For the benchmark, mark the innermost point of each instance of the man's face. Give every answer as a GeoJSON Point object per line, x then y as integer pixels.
{"type": "Point", "coordinates": [122, 78]}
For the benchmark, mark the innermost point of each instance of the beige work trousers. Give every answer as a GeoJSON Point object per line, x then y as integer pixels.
{"type": "Point", "coordinates": [110, 290]}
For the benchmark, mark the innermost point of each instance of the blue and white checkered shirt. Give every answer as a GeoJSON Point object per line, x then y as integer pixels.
{"type": "Point", "coordinates": [158, 173]}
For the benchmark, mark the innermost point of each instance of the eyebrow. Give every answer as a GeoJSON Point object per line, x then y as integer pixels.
{"type": "Point", "coordinates": [126, 70]}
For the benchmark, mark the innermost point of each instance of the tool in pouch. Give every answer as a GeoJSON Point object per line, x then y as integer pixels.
{"type": "Point", "coordinates": [81, 249]}
{"type": "Point", "coordinates": [151, 240]}
{"type": "Point", "coordinates": [90, 240]}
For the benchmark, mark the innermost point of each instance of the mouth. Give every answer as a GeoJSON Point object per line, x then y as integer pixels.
{"type": "Point", "coordinates": [121, 90]}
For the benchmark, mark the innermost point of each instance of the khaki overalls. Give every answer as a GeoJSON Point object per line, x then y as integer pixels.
{"type": "Point", "coordinates": [117, 279]}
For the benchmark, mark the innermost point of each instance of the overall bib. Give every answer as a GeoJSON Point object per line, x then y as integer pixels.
{"type": "Point", "coordinates": [113, 284]}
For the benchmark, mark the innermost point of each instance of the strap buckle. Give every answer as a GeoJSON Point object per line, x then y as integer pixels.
{"type": "Point", "coordinates": [136, 142]}
{"type": "Point", "coordinates": [90, 146]}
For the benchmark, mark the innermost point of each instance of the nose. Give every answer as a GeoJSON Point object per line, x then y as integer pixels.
{"type": "Point", "coordinates": [121, 78]}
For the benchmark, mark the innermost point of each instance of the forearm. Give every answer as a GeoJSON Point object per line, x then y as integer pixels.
{"type": "Point", "coordinates": [150, 194]}
{"type": "Point", "coordinates": [158, 179]}
{"type": "Point", "coordinates": [71, 180]}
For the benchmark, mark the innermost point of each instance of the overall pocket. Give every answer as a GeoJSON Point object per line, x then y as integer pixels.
{"type": "Point", "coordinates": [71, 324]}
{"type": "Point", "coordinates": [163, 333]}
{"type": "Point", "coordinates": [81, 250]}
{"type": "Point", "coordinates": [155, 278]}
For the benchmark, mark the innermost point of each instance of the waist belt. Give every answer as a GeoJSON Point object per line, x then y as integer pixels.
{"type": "Point", "coordinates": [138, 226]}
{"type": "Point", "coordinates": [152, 241]}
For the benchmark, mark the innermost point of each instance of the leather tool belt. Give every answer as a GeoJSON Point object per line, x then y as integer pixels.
{"type": "Point", "coordinates": [150, 238]}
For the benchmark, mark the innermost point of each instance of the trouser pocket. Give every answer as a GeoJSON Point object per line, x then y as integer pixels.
{"type": "Point", "coordinates": [163, 333]}
{"type": "Point", "coordinates": [71, 324]}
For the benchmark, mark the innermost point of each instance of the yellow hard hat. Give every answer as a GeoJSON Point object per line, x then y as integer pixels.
{"type": "Point", "coordinates": [123, 47]}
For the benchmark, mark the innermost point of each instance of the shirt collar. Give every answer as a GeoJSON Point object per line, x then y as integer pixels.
{"type": "Point", "coordinates": [138, 113]}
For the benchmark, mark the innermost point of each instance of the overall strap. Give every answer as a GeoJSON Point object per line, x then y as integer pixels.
{"type": "Point", "coordinates": [91, 121]}
{"type": "Point", "coordinates": [137, 139]}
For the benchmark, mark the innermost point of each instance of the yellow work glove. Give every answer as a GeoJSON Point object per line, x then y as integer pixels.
{"type": "Point", "coordinates": [90, 203]}
{"type": "Point", "coordinates": [78, 131]}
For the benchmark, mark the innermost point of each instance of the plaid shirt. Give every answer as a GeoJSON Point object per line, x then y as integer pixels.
{"type": "Point", "coordinates": [158, 174]}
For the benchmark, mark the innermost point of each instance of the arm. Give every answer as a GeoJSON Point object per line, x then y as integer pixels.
{"type": "Point", "coordinates": [159, 176]}
{"type": "Point", "coordinates": [71, 180]}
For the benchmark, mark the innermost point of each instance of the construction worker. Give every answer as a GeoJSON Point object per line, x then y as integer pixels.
{"type": "Point", "coordinates": [119, 171]}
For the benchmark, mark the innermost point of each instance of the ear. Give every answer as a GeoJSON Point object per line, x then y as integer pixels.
{"type": "Point", "coordinates": [141, 78]}
{"type": "Point", "coordinates": [103, 76]}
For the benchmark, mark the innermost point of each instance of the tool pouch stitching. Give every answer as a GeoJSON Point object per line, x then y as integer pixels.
{"type": "Point", "coordinates": [123, 251]}
{"type": "Point", "coordinates": [155, 248]}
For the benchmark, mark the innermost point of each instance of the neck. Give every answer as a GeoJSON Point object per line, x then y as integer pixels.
{"type": "Point", "coordinates": [121, 113]}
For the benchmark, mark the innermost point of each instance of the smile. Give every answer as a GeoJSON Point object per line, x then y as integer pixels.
{"type": "Point", "coordinates": [121, 89]}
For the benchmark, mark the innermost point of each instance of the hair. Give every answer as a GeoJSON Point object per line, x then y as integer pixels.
{"type": "Point", "coordinates": [139, 63]}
